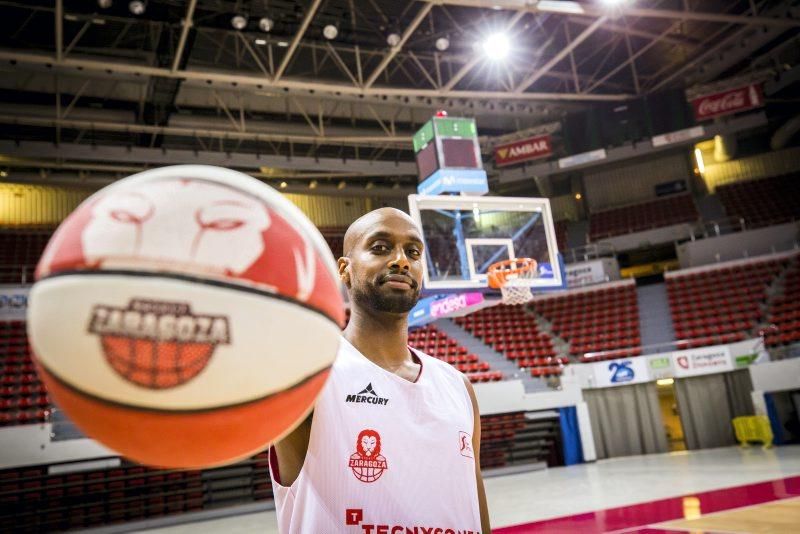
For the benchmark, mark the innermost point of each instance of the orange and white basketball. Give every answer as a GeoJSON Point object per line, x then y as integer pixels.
{"type": "Point", "coordinates": [185, 316]}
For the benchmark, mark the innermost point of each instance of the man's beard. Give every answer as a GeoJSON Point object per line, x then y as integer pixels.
{"type": "Point", "coordinates": [371, 297]}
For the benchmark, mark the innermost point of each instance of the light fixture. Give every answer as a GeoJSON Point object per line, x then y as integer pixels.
{"type": "Point", "coordinates": [312, 184]}
{"type": "Point", "coordinates": [239, 22]}
{"type": "Point", "coordinates": [369, 186]}
{"type": "Point", "coordinates": [393, 39]}
{"type": "Point", "coordinates": [3, 174]}
{"type": "Point", "coordinates": [265, 24]}
{"type": "Point", "coordinates": [283, 44]}
{"type": "Point", "coordinates": [261, 42]}
{"type": "Point", "coordinates": [284, 185]}
{"type": "Point", "coordinates": [614, 3]}
{"type": "Point", "coordinates": [137, 7]}
{"type": "Point", "coordinates": [341, 185]}
{"type": "Point", "coordinates": [665, 381]}
{"type": "Point", "coordinates": [442, 44]}
{"type": "Point", "coordinates": [698, 155]}
{"type": "Point", "coordinates": [330, 32]}
{"type": "Point", "coordinates": [496, 46]}
{"type": "Point", "coordinates": [104, 4]}
{"type": "Point", "coordinates": [578, 196]}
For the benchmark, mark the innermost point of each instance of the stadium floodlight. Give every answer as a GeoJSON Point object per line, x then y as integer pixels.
{"type": "Point", "coordinates": [496, 46]}
{"type": "Point", "coordinates": [104, 4]}
{"type": "Point", "coordinates": [442, 44]}
{"type": "Point", "coordinates": [137, 7]}
{"type": "Point", "coordinates": [261, 42]}
{"type": "Point", "coordinates": [239, 22]}
{"type": "Point", "coordinates": [698, 155]}
{"type": "Point", "coordinates": [330, 32]}
{"type": "Point", "coordinates": [393, 39]}
{"type": "Point", "coordinates": [266, 24]}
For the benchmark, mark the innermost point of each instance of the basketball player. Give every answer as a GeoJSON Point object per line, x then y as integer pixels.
{"type": "Point", "coordinates": [393, 443]}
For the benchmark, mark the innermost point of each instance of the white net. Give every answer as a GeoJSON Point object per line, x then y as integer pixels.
{"type": "Point", "coordinates": [517, 291]}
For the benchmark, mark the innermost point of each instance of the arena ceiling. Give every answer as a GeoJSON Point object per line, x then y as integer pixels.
{"type": "Point", "coordinates": [117, 91]}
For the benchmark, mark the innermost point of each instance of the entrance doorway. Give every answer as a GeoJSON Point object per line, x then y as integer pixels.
{"type": "Point", "coordinates": [669, 414]}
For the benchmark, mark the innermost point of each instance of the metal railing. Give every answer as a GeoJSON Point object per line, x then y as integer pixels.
{"type": "Point", "coordinates": [16, 274]}
{"type": "Point", "coordinates": [592, 251]}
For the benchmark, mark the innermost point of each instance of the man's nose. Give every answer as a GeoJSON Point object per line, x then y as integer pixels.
{"type": "Point", "coordinates": [400, 260]}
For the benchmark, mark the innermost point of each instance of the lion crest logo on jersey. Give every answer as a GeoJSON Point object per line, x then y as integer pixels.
{"type": "Point", "coordinates": [367, 462]}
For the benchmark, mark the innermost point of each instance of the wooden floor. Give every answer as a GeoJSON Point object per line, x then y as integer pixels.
{"type": "Point", "coordinates": [779, 517]}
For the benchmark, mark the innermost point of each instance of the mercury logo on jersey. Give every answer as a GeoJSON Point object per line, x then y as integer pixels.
{"type": "Point", "coordinates": [367, 395]}
{"type": "Point", "coordinates": [355, 517]}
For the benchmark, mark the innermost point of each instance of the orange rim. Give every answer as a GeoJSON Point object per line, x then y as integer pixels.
{"type": "Point", "coordinates": [498, 271]}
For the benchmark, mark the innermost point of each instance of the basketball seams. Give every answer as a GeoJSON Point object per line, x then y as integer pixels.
{"type": "Point", "coordinates": [149, 409]}
{"type": "Point", "coordinates": [217, 283]}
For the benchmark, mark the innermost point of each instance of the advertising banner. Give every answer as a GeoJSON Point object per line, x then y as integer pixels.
{"type": "Point", "coordinates": [586, 273]}
{"type": "Point", "coordinates": [525, 150]}
{"type": "Point", "coordinates": [13, 303]}
{"type": "Point", "coordinates": [702, 361]}
{"type": "Point", "coordinates": [620, 372]}
{"type": "Point", "coordinates": [727, 102]}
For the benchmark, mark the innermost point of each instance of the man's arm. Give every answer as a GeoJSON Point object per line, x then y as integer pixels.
{"type": "Point", "coordinates": [486, 528]}
{"type": "Point", "coordinates": [291, 452]}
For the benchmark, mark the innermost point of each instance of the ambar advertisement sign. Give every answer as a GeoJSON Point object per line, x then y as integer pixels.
{"type": "Point", "coordinates": [525, 150]}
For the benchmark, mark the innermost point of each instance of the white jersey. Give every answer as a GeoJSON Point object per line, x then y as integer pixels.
{"type": "Point", "coordinates": [385, 455]}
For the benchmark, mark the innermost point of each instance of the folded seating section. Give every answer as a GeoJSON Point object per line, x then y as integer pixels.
{"type": "Point", "coordinates": [436, 343]}
{"type": "Point", "coordinates": [603, 320]}
{"type": "Point", "coordinates": [720, 305]}
{"type": "Point", "coordinates": [763, 202]}
{"type": "Point", "coordinates": [645, 216]}
{"type": "Point", "coordinates": [513, 332]}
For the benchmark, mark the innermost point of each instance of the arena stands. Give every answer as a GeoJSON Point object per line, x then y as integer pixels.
{"type": "Point", "coordinates": [561, 234]}
{"type": "Point", "coordinates": [645, 216]}
{"type": "Point", "coordinates": [784, 312]}
{"type": "Point", "coordinates": [603, 319]}
{"type": "Point", "coordinates": [42, 499]}
{"type": "Point", "coordinates": [334, 236]}
{"type": "Point", "coordinates": [511, 438]}
{"type": "Point", "coordinates": [20, 250]}
{"type": "Point", "coordinates": [763, 202]}
{"type": "Point", "coordinates": [436, 343]}
{"type": "Point", "coordinates": [513, 332]}
{"type": "Point", "coordinates": [23, 398]}
{"type": "Point", "coordinates": [713, 305]}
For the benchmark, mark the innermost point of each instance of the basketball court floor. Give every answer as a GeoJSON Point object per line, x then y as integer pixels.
{"type": "Point", "coordinates": [714, 491]}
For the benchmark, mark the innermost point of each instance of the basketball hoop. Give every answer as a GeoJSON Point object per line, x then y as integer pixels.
{"type": "Point", "coordinates": [513, 278]}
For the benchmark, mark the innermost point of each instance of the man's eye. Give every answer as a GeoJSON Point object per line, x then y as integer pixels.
{"type": "Point", "coordinates": [380, 248]}
{"type": "Point", "coordinates": [414, 252]}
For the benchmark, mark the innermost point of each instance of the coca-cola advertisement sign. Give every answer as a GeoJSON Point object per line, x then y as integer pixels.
{"type": "Point", "coordinates": [525, 150]}
{"type": "Point", "coordinates": [727, 102]}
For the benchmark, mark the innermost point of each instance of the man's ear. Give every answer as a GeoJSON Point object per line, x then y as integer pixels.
{"type": "Point", "coordinates": [344, 270]}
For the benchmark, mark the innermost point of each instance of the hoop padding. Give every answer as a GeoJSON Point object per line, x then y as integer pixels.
{"type": "Point", "coordinates": [513, 278]}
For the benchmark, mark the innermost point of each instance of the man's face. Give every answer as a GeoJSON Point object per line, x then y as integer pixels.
{"type": "Point", "coordinates": [385, 265]}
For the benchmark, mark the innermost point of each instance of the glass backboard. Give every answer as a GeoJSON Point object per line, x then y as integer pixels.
{"type": "Point", "coordinates": [465, 235]}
